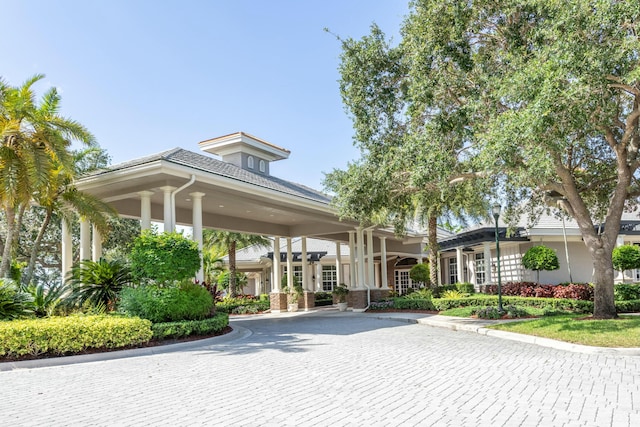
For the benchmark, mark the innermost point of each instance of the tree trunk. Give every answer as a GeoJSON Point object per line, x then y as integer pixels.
{"type": "Point", "coordinates": [603, 302]}
{"type": "Point", "coordinates": [232, 269]}
{"type": "Point", "coordinates": [5, 267]}
{"type": "Point", "coordinates": [36, 246]}
{"type": "Point", "coordinates": [433, 250]}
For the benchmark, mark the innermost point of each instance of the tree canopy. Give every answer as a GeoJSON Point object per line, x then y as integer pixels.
{"type": "Point", "coordinates": [541, 97]}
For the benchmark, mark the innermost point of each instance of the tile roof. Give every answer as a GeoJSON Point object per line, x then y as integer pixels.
{"type": "Point", "coordinates": [208, 164]}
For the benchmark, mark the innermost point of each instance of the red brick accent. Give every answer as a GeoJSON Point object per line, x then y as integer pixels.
{"type": "Point", "coordinates": [278, 301]}
{"type": "Point", "coordinates": [358, 299]}
{"type": "Point", "coordinates": [379, 294]}
{"type": "Point", "coordinates": [308, 301]}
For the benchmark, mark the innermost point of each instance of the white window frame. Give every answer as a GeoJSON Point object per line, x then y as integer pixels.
{"type": "Point", "coordinates": [453, 270]}
{"type": "Point", "coordinates": [329, 277]}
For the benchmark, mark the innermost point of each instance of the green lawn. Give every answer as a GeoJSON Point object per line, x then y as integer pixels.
{"type": "Point", "coordinates": [622, 332]}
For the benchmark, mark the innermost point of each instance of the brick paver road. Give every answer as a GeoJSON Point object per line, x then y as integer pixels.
{"type": "Point", "coordinates": [331, 369]}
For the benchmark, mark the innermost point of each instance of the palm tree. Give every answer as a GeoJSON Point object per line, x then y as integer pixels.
{"type": "Point", "coordinates": [61, 197]}
{"type": "Point", "coordinates": [34, 141]}
{"type": "Point", "coordinates": [229, 242]}
{"type": "Point", "coordinates": [97, 282]}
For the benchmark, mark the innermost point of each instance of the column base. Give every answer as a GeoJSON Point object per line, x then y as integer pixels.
{"type": "Point", "coordinates": [308, 300]}
{"type": "Point", "coordinates": [278, 302]}
{"type": "Point", "coordinates": [358, 300]}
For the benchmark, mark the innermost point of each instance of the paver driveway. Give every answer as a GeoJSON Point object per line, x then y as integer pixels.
{"type": "Point", "coordinates": [330, 368]}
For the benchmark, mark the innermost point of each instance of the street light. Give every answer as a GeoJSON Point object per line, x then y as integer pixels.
{"type": "Point", "coordinates": [496, 214]}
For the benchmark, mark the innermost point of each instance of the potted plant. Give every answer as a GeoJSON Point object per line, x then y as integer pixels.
{"type": "Point", "coordinates": [341, 291]}
{"type": "Point", "coordinates": [293, 295]}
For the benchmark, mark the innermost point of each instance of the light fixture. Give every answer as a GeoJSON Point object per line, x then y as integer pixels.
{"type": "Point", "coordinates": [495, 210]}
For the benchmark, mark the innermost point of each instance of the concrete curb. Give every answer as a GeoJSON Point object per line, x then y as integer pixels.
{"type": "Point", "coordinates": [454, 324]}
{"type": "Point", "coordinates": [237, 333]}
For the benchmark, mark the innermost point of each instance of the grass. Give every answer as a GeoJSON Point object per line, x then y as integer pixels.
{"type": "Point", "coordinates": [468, 311]}
{"type": "Point", "coordinates": [622, 332]}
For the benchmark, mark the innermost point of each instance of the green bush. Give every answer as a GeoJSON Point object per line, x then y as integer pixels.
{"type": "Point", "coordinates": [413, 304]}
{"type": "Point", "coordinates": [228, 305]}
{"type": "Point", "coordinates": [419, 273]}
{"type": "Point", "coordinates": [164, 258]}
{"type": "Point", "coordinates": [72, 334]}
{"type": "Point", "coordinates": [465, 288]}
{"type": "Point", "coordinates": [168, 304]}
{"type": "Point", "coordinates": [627, 292]}
{"type": "Point", "coordinates": [97, 283]}
{"type": "Point", "coordinates": [628, 306]}
{"type": "Point", "coordinates": [577, 306]}
{"type": "Point", "coordinates": [190, 327]}
{"type": "Point", "coordinates": [540, 258]}
{"type": "Point", "coordinates": [452, 294]}
{"type": "Point", "coordinates": [14, 303]}
{"type": "Point", "coordinates": [323, 299]}
{"type": "Point", "coordinates": [626, 257]}
{"type": "Point", "coordinates": [488, 313]}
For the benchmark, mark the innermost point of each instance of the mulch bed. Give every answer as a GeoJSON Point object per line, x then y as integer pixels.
{"type": "Point", "coordinates": [151, 343]}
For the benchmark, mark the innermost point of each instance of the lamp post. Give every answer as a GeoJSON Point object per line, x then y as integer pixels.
{"type": "Point", "coordinates": [495, 210]}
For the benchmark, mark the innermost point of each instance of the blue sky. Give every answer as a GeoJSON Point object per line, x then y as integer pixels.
{"type": "Point", "coordinates": [146, 76]}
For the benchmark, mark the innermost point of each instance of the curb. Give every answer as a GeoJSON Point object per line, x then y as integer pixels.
{"type": "Point", "coordinates": [237, 333]}
{"type": "Point", "coordinates": [513, 336]}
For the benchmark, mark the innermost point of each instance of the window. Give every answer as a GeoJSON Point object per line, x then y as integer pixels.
{"type": "Point", "coordinates": [453, 271]}
{"type": "Point", "coordinates": [250, 162]}
{"type": "Point", "coordinates": [480, 269]}
{"type": "Point", "coordinates": [297, 272]}
{"type": "Point", "coordinates": [329, 277]}
{"type": "Point", "coordinates": [402, 281]}
{"type": "Point", "coordinates": [263, 166]}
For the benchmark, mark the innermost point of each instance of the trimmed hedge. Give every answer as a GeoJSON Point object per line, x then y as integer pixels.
{"type": "Point", "coordinates": [580, 291]}
{"type": "Point", "coordinates": [628, 306]}
{"type": "Point", "coordinates": [73, 334]}
{"type": "Point", "coordinates": [465, 288]}
{"type": "Point", "coordinates": [230, 305]}
{"type": "Point", "coordinates": [413, 304]}
{"type": "Point", "coordinates": [577, 306]}
{"type": "Point", "coordinates": [190, 327]}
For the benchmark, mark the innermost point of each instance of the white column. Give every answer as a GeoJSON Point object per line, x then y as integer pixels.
{"type": "Point", "coordinates": [67, 250]}
{"type": "Point", "coordinates": [96, 245]}
{"type": "Point", "coordinates": [275, 285]}
{"type": "Point", "coordinates": [85, 240]}
{"type": "Point", "coordinates": [440, 269]}
{"type": "Point", "coordinates": [196, 212]}
{"type": "Point", "coordinates": [305, 275]}
{"type": "Point", "coordinates": [289, 265]}
{"type": "Point", "coordinates": [486, 247]}
{"type": "Point", "coordinates": [459, 265]}
{"type": "Point", "coordinates": [339, 278]}
{"type": "Point", "coordinates": [371, 279]}
{"type": "Point", "coordinates": [167, 208]}
{"type": "Point", "coordinates": [383, 263]}
{"type": "Point", "coordinates": [352, 261]}
{"type": "Point", "coordinates": [318, 283]}
{"type": "Point", "coordinates": [360, 249]}
{"type": "Point", "coordinates": [145, 209]}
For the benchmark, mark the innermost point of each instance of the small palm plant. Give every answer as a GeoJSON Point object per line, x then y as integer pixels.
{"type": "Point", "coordinates": [341, 292]}
{"type": "Point", "coordinates": [98, 282]}
{"type": "Point", "coordinates": [47, 297]}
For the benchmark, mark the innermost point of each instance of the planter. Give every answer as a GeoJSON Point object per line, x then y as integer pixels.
{"type": "Point", "coordinates": [292, 306]}
{"type": "Point", "coordinates": [342, 306]}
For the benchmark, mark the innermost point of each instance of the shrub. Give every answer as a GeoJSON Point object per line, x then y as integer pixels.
{"type": "Point", "coordinates": [228, 305]}
{"type": "Point", "coordinates": [574, 291]}
{"type": "Point", "coordinates": [626, 257]}
{"type": "Point", "coordinates": [452, 294]}
{"type": "Point", "coordinates": [515, 312]}
{"type": "Point", "coordinates": [190, 327]}
{"type": "Point", "coordinates": [628, 306]}
{"type": "Point", "coordinates": [223, 280]}
{"type": "Point", "coordinates": [13, 303]}
{"type": "Point", "coordinates": [419, 273]}
{"type": "Point", "coordinates": [381, 305]}
{"type": "Point", "coordinates": [72, 334]}
{"type": "Point", "coordinates": [577, 306]}
{"type": "Point", "coordinates": [97, 282]}
{"type": "Point", "coordinates": [164, 258]}
{"type": "Point", "coordinates": [627, 292]}
{"type": "Point", "coordinates": [46, 297]}
{"type": "Point", "coordinates": [246, 309]}
{"type": "Point", "coordinates": [540, 258]}
{"type": "Point", "coordinates": [423, 293]}
{"type": "Point", "coordinates": [488, 313]}
{"type": "Point", "coordinates": [323, 298]}
{"type": "Point", "coordinates": [170, 304]}
{"type": "Point", "coordinates": [340, 292]}
{"type": "Point", "coordinates": [465, 288]}
{"type": "Point", "coordinates": [413, 304]}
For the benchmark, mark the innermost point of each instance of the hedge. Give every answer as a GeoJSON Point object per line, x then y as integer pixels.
{"type": "Point", "coordinates": [413, 304]}
{"type": "Point", "coordinates": [228, 306]}
{"type": "Point", "coordinates": [73, 334]}
{"type": "Point", "coordinates": [190, 327]}
{"type": "Point", "coordinates": [578, 306]}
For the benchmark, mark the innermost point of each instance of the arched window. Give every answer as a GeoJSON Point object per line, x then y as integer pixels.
{"type": "Point", "coordinates": [250, 162]}
{"type": "Point", "coordinates": [263, 166]}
